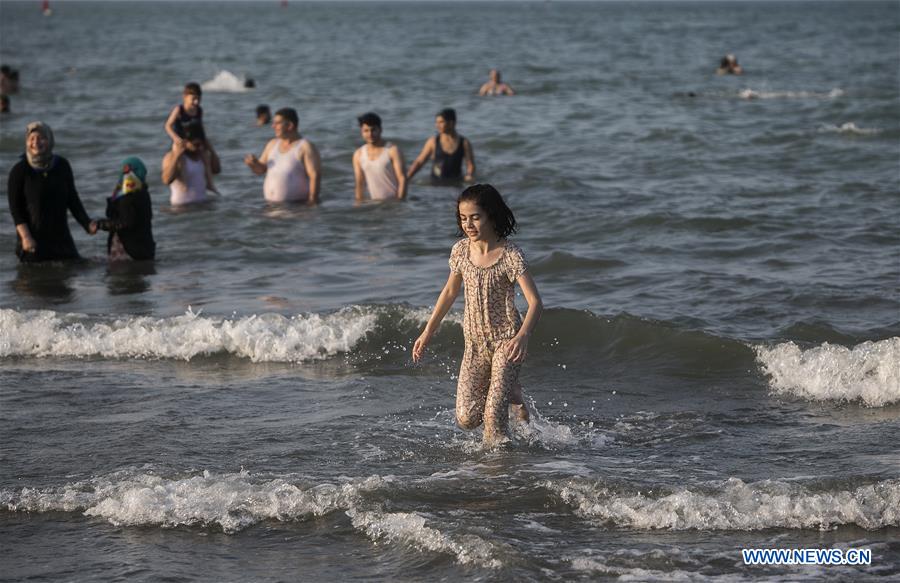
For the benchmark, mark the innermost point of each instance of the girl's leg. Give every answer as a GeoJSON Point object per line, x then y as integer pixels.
{"type": "Point", "coordinates": [207, 171]}
{"type": "Point", "coordinates": [517, 403]}
{"type": "Point", "coordinates": [504, 376]}
{"type": "Point", "coordinates": [472, 388]}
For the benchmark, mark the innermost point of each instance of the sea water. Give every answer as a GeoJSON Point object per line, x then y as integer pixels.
{"type": "Point", "coordinates": [717, 367]}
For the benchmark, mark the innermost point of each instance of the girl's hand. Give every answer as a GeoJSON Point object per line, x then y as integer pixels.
{"type": "Point", "coordinates": [419, 346]}
{"type": "Point", "coordinates": [517, 348]}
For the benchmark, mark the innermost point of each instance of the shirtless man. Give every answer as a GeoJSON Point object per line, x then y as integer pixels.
{"type": "Point", "coordinates": [448, 150]}
{"type": "Point", "coordinates": [495, 86]}
{"type": "Point", "coordinates": [290, 162]}
{"type": "Point", "coordinates": [184, 168]}
{"type": "Point", "coordinates": [377, 165]}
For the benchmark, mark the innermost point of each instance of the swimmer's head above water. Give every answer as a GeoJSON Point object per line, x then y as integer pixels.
{"type": "Point", "coordinates": [370, 127]}
{"type": "Point", "coordinates": [445, 121]}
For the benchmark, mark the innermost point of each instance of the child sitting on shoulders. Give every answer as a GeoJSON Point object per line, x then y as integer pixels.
{"type": "Point", "coordinates": [190, 114]}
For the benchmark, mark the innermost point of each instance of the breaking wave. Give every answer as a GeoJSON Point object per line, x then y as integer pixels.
{"type": "Point", "coordinates": [232, 502]}
{"type": "Point", "coordinates": [735, 505]}
{"type": "Point", "coordinates": [264, 338]}
{"type": "Point", "coordinates": [868, 372]}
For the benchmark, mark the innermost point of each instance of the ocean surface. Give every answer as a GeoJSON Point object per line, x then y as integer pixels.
{"type": "Point", "coordinates": [717, 368]}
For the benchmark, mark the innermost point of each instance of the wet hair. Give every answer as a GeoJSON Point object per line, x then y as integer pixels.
{"type": "Point", "coordinates": [290, 114]}
{"type": "Point", "coordinates": [448, 114]}
{"type": "Point", "coordinates": [4, 104]}
{"type": "Point", "coordinates": [5, 69]}
{"type": "Point", "coordinates": [724, 63]}
{"type": "Point", "coordinates": [489, 200]}
{"type": "Point", "coordinates": [263, 109]}
{"type": "Point", "coordinates": [193, 89]}
{"type": "Point", "coordinates": [370, 119]}
{"type": "Point", "coordinates": [249, 83]}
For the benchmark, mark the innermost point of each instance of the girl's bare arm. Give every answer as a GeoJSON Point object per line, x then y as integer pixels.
{"type": "Point", "coordinates": [443, 305]}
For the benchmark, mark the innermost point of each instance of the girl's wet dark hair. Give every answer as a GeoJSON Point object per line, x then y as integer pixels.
{"type": "Point", "coordinates": [490, 201]}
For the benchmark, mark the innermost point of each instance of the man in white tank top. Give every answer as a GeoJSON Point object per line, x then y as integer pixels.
{"type": "Point", "coordinates": [290, 163]}
{"type": "Point", "coordinates": [184, 169]}
{"type": "Point", "coordinates": [378, 165]}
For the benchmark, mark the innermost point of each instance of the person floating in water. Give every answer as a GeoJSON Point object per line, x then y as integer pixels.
{"type": "Point", "coordinates": [494, 86]}
{"type": "Point", "coordinates": [263, 115]}
{"type": "Point", "coordinates": [729, 66]}
{"type": "Point", "coordinates": [188, 115]}
{"type": "Point", "coordinates": [488, 265]}
{"type": "Point", "coordinates": [377, 165]}
{"type": "Point", "coordinates": [129, 215]}
{"type": "Point", "coordinates": [447, 150]}
{"type": "Point", "coordinates": [290, 163]}
{"type": "Point", "coordinates": [42, 192]}
{"type": "Point", "coordinates": [9, 80]}
{"type": "Point", "coordinates": [184, 168]}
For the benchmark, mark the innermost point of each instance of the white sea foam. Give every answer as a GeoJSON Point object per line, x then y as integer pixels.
{"type": "Point", "coordinates": [410, 528]}
{"type": "Point", "coordinates": [849, 128]}
{"type": "Point", "coordinates": [225, 82]}
{"type": "Point", "coordinates": [869, 372]}
{"type": "Point", "coordinates": [263, 338]}
{"type": "Point", "coordinates": [735, 505]}
{"type": "Point", "coordinates": [231, 501]}
{"type": "Point", "coordinates": [753, 94]}
{"type": "Point", "coordinates": [542, 432]}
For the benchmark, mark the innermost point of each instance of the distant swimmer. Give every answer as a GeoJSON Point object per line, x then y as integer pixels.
{"type": "Point", "coordinates": [729, 66]}
{"type": "Point", "coordinates": [9, 80]}
{"type": "Point", "coordinates": [184, 168]}
{"type": "Point", "coordinates": [495, 86]}
{"type": "Point", "coordinates": [263, 115]}
{"type": "Point", "coordinates": [187, 115]}
{"type": "Point", "coordinates": [129, 215]}
{"type": "Point", "coordinates": [447, 150]}
{"type": "Point", "coordinates": [377, 165]}
{"type": "Point", "coordinates": [487, 266]}
{"type": "Point", "coordinates": [290, 163]}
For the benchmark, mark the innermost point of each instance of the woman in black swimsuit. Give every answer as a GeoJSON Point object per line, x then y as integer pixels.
{"type": "Point", "coordinates": [447, 150]}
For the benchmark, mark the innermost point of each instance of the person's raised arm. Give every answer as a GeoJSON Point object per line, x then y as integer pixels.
{"type": "Point", "coordinates": [259, 165]}
{"type": "Point", "coordinates": [18, 207]}
{"type": "Point", "coordinates": [399, 171]}
{"type": "Point", "coordinates": [170, 164]}
{"type": "Point", "coordinates": [485, 88]}
{"type": "Point", "coordinates": [425, 154]}
{"type": "Point", "coordinates": [358, 176]}
{"type": "Point", "coordinates": [469, 156]}
{"type": "Point", "coordinates": [443, 305]}
{"type": "Point", "coordinates": [313, 165]}
{"type": "Point", "coordinates": [170, 125]}
{"type": "Point", "coordinates": [517, 348]}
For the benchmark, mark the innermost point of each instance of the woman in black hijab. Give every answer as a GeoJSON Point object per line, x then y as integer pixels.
{"type": "Point", "coordinates": [41, 192]}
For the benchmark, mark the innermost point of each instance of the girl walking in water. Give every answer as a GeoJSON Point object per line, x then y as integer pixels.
{"type": "Point", "coordinates": [496, 337]}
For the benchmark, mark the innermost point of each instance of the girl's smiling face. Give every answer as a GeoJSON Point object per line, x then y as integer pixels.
{"type": "Point", "coordinates": [475, 222]}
